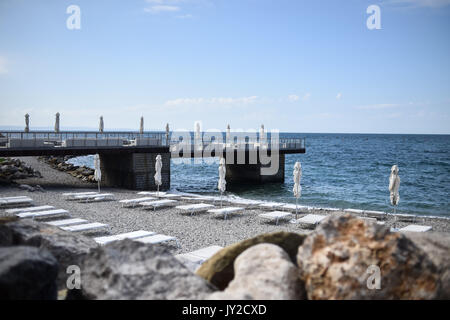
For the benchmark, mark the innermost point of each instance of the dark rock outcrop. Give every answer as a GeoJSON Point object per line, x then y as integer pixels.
{"type": "Point", "coordinates": [27, 273]}
{"type": "Point", "coordinates": [132, 270]}
{"type": "Point", "coordinates": [66, 247]}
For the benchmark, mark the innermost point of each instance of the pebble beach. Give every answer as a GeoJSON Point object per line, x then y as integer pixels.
{"type": "Point", "coordinates": [193, 232]}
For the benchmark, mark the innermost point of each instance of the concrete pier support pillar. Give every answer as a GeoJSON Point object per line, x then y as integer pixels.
{"type": "Point", "coordinates": [134, 171]}
{"type": "Point", "coordinates": [251, 173]}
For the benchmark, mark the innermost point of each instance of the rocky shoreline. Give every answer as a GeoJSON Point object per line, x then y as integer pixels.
{"type": "Point", "coordinates": [83, 173]}
{"type": "Point", "coordinates": [338, 260]}
{"type": "Point", "coordinates": [15, 169]}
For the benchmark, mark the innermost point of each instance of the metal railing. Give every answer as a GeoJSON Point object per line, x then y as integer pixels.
{"type": "Point", "coordinates": [42, 139]}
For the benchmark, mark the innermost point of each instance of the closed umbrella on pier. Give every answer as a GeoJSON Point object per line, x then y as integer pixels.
{"type": "Point", "coordinates": [394, 186]}
{"type": "Point", "coordinates": [197, 136]}
{"type": "Point", "coordinates": [167, 134]}
{"type": "Point", "coordinates": [158, 167]}
{"type": "Point", "coordinates": [27, 123]}
{"type": "Point", "coordinates": [228, 135]}
{"type": "Point", "coordinates": [101, 125]}
{"type": "Point", "coordinates": [141, 128]}
{"type": "Point", "coordinates": [221, 185]}
{"type": "Point", "coordinates": [261, 135]}
{"type": "Point", "coordinates": [97, 172]}
{"type": "Point", "coordinates": [297, 190]}
{"type": "Point", "coordinates": [57, 122]}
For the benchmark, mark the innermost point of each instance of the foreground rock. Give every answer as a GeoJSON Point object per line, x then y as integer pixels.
{"type": "Point", "coordinates": [437, 247]}
{"type": "Point", "coordinates": [264, 272]}
{"type": "Point", "coordinates": [334, 263]}
{"type": "Point", "coordinates": [66, 247]}
{"type": "Point", "coordinates": [132, 270]}
{"type": "Point", "coordinates": [27, 273]}
{"type": "Point", "coordinates": [219, 270]}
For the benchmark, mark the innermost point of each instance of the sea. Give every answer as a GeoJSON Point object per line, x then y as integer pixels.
{"type": "Point", "coordinates": [342, 171]}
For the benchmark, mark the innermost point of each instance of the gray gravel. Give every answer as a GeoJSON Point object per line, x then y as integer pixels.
{"type": "Point", "coordinates": [193, 232]}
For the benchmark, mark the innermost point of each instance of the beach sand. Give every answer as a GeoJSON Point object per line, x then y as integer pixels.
{"type": "Point", "coordinates": [193, 232]}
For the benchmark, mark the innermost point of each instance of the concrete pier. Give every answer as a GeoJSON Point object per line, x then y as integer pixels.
{"type": "Point", "coordinates": [251, 173]}
{"type": "Point", "coordinates": [134, 170]}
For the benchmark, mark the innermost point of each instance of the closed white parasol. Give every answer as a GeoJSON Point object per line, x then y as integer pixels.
{"type": "Point", "coordinates": [101, 125]}
{"type": "Point", "coordinates": [158, 167]}
{"type": "Point", "coordinates": [228, 136]}
{"type": "Point", "coordinates": [262, 136]}
{"type": "Point", "coordinates": [297, 190]}
{"type": "Point", "coordinates": [97, 172]}
{"type": "Point", "coordinates": [57, 122]}
{"type": "Point", "coordinates": [141, 127]}
{"type": "Point", "coordinates": [394, 186]}
{"type": "Point", "coordinates": [221, 185]}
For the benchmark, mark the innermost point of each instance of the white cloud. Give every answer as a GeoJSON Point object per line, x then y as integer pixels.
{"type": "Point", "coordinates": [219, 101]}
{"type": "Point", "coordinates": [3, 62]}
{"type": "Point", "coordinates": [185, 16]}
{"type": "Point", "coordinates": [339, 96]}
{"type": "Point", "coordinates": [306, 96]}
{"type": "Point", "coordinates": [293, 97]}
{"type": "Point", "coordinates": [161, 8]}
{"type": "Point", "coordinates": [379, 106]}
{"type": "Point", "coordinates": [419, 3]}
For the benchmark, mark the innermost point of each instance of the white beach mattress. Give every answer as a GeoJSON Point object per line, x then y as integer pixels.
{"type": "Point", "coordinates": [85, 227]}
{"type": "Point", "coordinates": [275, 215]}
{"type": "Point", "coordinates": [415, 228]}
{"type": "Point", "coordinates": [29, 209]}
{"type": "Point", "coordinates": [37, 214]}
{"type": "Point", "coordinates": [196, 206]}
{"type": "Point", "coordinates": [311, 219]}
{"type": "Point", "coordinates": [121, 236]}
{"type": "Point", "coordinates": [66, 222]}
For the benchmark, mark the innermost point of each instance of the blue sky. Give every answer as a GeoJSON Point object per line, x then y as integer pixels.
{"type": "Point", "coordinates": [297, 66]}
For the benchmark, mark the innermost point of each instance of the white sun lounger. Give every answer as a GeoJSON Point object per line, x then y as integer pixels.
{"type": "Point", "coordinates": [311, 219]}
{"type": "Point", "coordinates": [66, 222]}
{"type": "Point", "coordinates": [355, 211]}
{"type": "Point", "coordinates": [16, 201]}
{"type": "Point", "coordinates": [415, 228]}
{"type": "Point", "coordinates": [193, 260]}
{"type": "Point", "coordinates": [270, 205]}
{"type": "Point", "coordinates": [195, 208]}
{"type": "Point", "coordinates": [275, 215]}
{"type": "Point", "coordinates": [41, 214]}
{"type": "Point", "coordinates": [95, 197]}
{"type": "Point", "coordinates": [128, 235]}
{"type": "Point", "coordinates": [225, 211]}
{"type": "Point", "coordinates": [73, 194]}
{"type": "Point", "coordinates": [12, 198]}
{"type": "Point", "coordinates": [159, 204]}
{"type": "Point", "coordinates": [151, 193]}
{"type": "Point", "coordinates": [158, 238]}
{"type": "Point", "coordinates": [85, 227]}
{"type": "Point", "coordinates": [291, 207]}
{"type": "Point", "coordinates": [207, 252]}
{"type": "Point", "coordinates": [169, 196]}
{"type": "Point", "coordinates": [30, 209]}
{"type": "Point", "coordinates": [134, 202]}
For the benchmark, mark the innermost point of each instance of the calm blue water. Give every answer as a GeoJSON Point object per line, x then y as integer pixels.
{"type": "Point", "coordinates": [346, 171]}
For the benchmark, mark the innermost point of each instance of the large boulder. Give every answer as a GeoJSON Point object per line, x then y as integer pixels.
{"type": "Point", "coordinates": [68, 248]}
{"type": "Point", "coordinates": [437, 247]}
{"type": "Point", "coordinates": [132, 270]}
{"type": "Point", "coordinates": [264, 272]}
{"type": "Point", "coordinates": [340, 260]}
{"type": "Point", "coordinates": [219, 271]}
{"type": "Point", "coordinates": [27, 273]}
